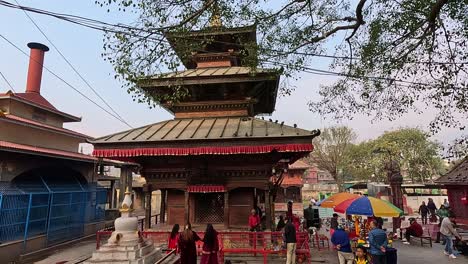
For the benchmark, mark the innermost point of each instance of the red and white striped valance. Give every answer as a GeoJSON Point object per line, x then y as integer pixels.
{"type": "Point", "coordinates": [206, 188]}
{"type": "Point", "coordinates": [135, 152]}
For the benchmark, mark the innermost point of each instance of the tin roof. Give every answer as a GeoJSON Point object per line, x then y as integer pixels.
{"type": "Point", "coordinates": [54, 153]}
{"type": "Point", "coordinates": [27, 122]}
{"type": "Point", "coordinates": [202, 74]}
{"type": "Point", "coordinates": [206, 129]}
{"type": "Point", "coordinates": [37, 100]}
{"type": "Point", "coordinates": [457, 176]}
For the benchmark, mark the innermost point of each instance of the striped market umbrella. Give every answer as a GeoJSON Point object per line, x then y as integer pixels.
{"type": "Point", "coordinates": [368, 206]}
{"type": "Point", "coordinates": [337, 198]}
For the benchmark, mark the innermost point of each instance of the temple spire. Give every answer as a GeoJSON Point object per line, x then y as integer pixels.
{"type": "Point", "coordinates": [215, 20]}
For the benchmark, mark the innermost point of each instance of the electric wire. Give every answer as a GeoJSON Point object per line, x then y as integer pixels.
{"type": "Point", "coordinates": [74, 69]}
{"type": "Point", "coordinates": [6, 80]}
{"type": "Point", "coordinates": [60, 78]}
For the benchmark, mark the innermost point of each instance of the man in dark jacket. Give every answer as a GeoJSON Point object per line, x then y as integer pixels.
{"type": "Point", "coordinates": [423, 211]}
{"type": "Point", "coordinates": [290, 240]}
{"type": "Point", "coordinates": [341, 240]}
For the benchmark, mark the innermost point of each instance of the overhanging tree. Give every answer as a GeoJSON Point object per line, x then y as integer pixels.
{"type": "Point", "coordinates": [391, 56]}
{"type": "Point", "coordinates": [331, 150]}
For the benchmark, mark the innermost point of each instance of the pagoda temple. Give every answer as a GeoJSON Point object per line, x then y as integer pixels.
{"type": "Point", "coordinates": [213, 161]}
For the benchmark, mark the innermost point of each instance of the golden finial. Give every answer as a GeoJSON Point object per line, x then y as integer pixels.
{"type": "Point", "coordinates": [127, 202]}
{"type": "Point", "coordinates": [215, 20]}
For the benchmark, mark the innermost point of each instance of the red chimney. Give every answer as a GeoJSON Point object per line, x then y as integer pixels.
{"type": "Point", "coordinates": [36, 60]}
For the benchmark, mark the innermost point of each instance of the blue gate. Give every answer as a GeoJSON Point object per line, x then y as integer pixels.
{"type": "Point", "coordinates": [59, 209]}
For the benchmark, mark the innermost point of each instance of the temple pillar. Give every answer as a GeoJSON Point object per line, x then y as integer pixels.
{"type": "Point", "coordinates": [112, 195]}
{"type": "Point", "coordinates": [162, 209]}
{"type": "Point", "coordinates": [147, 190]}
{"type": "Point", "coordinates": [123, 183]}
{"type": "Point", "coordinates": [226, 210]}
{"type": "Point", "coordinates": [267, 210]}
{"type": "Point", "coordinates": [187, 208]}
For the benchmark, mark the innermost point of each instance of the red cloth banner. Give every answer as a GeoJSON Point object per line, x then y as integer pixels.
{"type": "Point", "coordinates": [205, 188]}
{"type": "Point", "coordinates": [201, 150]}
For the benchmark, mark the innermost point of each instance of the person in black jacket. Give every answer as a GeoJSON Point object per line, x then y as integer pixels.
{"type": "Point", "coordinates": [290, 240]}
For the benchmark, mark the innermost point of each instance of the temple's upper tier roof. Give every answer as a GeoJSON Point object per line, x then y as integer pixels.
{"type": "Point", "coordinates": [189, 45]}
{"type": "Point", "coordinates": [245, 91]}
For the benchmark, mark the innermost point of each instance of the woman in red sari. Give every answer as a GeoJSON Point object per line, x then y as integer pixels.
{"type": "Point", "coordinates": [173, 238]}
{"type": "Point", "coordinates": [186, 246]}
{"type": "Point", "coordinates": [210, 246]}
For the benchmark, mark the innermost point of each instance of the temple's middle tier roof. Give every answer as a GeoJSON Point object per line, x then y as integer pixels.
{"type": "Point", "coordinates": [206, 129]}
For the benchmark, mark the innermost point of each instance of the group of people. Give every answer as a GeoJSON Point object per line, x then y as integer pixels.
{"type": "Point", "coordinates": [185, 244]}
{"type": "Point", "coordinates": [375, 253]}
{"type": "Point", "coordinates": [430, 209]}
{"type": "Point", "coordinates": [446, 225]}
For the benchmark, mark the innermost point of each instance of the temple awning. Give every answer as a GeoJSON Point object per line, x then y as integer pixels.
{"type": "Point", "coordinates": [206, 188]}
{"type": "Point", "coordinates": [224, 150]}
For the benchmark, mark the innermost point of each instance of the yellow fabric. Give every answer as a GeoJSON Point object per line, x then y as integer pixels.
{"type": "Point", "coordinates": [382, 208]}
{"type": "Point", "coordinates": [361, 261]}
{"type": "Point", "coordinates": [338, 198]}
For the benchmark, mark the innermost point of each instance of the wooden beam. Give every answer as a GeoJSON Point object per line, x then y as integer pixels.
{"type": "Point", "coordinates": [162, 210]}
{"type": "Point", "coordinates": [226, 210]}
{"type": "Point", "coordinates": [268, 217]}
{"type": "Point", "coordinates": [187, 208]}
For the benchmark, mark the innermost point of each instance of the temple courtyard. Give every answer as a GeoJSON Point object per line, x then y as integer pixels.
{"type": "Point", "coordinates": [407, 254]}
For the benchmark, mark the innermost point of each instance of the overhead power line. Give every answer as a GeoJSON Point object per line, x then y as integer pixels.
{"type": "Point", "coordinates": [61, 79]}
{"type": "Point", "coordinates": [74, 69]}
{"type": "Point", "coordinates": [6, 80]}
{"type": "Point", "coordinates": [118, 28]}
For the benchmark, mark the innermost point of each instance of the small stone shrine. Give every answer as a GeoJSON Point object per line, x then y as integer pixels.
{"type": "Point", "coordinates": [126, 245]}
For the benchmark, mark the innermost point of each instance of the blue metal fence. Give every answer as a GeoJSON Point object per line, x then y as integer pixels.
{"type": "Point", "coordinates": [60, 211]}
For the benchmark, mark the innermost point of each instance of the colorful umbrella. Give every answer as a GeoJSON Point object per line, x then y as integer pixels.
{"type": "Point", "coordinates": [368, 206]}
{"type": "Point", "coordinates": [338, 198]}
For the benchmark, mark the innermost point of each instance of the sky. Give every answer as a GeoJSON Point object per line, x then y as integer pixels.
{"type": "Point", "coordinates": [83, 47]}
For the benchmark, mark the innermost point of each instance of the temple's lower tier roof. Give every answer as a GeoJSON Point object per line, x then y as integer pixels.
{"type": "Point", "coordinates": [206, 129]}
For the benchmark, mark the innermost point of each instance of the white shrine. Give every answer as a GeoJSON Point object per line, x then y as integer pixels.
{"type": "Point", "coordinates": [126, 245]}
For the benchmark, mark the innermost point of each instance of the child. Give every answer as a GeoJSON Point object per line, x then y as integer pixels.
{"type": "Point", "coordinates": [361, 256]}
{"type": "Point", "coordinates": [390, 239]}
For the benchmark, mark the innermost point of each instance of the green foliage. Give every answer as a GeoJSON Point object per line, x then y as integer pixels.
{"type": "Point", "coordinates": [417, 155]}
{"type": "Point", "coordinates": [390, 54]}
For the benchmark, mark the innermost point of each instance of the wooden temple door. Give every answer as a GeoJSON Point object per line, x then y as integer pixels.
{"type": "Point", "coordinates": [209, 207]}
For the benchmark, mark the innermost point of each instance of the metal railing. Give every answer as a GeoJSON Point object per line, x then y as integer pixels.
{"type": "Point", "coordinates": [264, 244]}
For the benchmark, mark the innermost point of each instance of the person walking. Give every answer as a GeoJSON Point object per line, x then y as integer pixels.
{"type": "Point", "coordinates": [378, 243]}
{"type": "Point", "coordinates": [432, 209]}
{"type": "Point", "coordinates": [423, 211]}
{"type": "Point", "coordinates": [186, 245]}
{"type": "Point", "coordinates": [210, 246]}
{"type": "Point", "coordinates": [448, 232]}
{"type": "Point", "coordinates": [290, 240]}
{"type": "Point", "coordinates": [341, 240]}
{"type": "Point", "coordinates": [173, 237]}
{"type": "Point", "coordinates": [446, 203]}
{"type": "Point", "coordinates": [442, 213]}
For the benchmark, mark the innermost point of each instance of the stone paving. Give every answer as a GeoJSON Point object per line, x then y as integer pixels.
{"type": "Point", "coordinates": [407, 254]}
